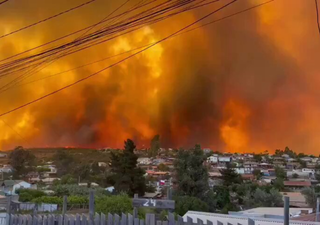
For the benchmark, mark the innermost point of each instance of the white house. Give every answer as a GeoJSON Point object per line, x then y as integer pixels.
{"type": "Point", "coordinates": [144, 161]}
{"type": "Point", "coordinates": [212, 159]}
{"type": "Point", "coordinates": [11, 186]}
{"type": "Point", "coordinates": [216, 218]}
{"type": "Point", "coordinates": [224, 159]}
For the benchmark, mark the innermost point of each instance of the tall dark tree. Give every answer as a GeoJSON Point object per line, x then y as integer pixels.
{"type": "Point", "coordinates": [127, 176]}
{"type": "Point", "coordinates": [22, 161]}
{"type": "Point", "coordinates": [230, 176]}
{"type": "Point", "coordinates": [154, 146]}
{"type": "Point", "coordinates": [191, 173]}
{"type": "Point", "coordinates": [64, 162]}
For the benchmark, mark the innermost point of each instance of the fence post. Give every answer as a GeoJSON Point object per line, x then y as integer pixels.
{"type": "Point", "coordinates": [286, 210]}
{"type": "Point", "coordinates": [318, 209]}
{"type": "Point", "coordinates": [135, 209]}
{"type": "Point", "coordinates": [64, 207]}
{"type": "Point", "coordinates": [91, 206]}
{"type": "Point", "coordinates": [251, 221]}
{"type": "Point", "coordinates": [9, 210]}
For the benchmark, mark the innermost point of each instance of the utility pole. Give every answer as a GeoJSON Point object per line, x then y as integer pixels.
{"type": "Point", "coordinates": [286, 210]}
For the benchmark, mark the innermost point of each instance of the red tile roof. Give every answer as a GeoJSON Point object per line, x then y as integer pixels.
{"type": "Point", "coordinates": [297, 183]}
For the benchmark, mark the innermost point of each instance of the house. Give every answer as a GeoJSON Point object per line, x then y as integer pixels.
{"type": "Point", "coordinates": [296, 185]}
{"type": "Point", "coordinates": [306, 159]}
{"type": "Point", "coordinates": [240, 170]}
{"type": "Point", "coordinates": [235, 219]}
{"type": "Point", "coordinates": [213, 159]}
{"type": "Point", "coordinates": [297, 199]}
{"type": "Point", "coordinates": [9, 187]}
{"type": "Point", "coordinates": [206, 150]}
{"type": "Point", "coordinates": [144, 161]}
{"type": "Point", "coordinates": [272, 212]}
{"type": "Point", "coordinates": [3, 155]}
{"type": "Point", "coordinates": [303, 173]}
{"type": "Point", "coordinates": [224, 159]}
{"type": "Point", "coordinates": [249, 167]}
{"type": "Point", "coordinates": [6, 169]}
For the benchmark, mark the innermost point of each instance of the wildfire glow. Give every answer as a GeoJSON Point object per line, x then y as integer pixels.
{"type": "Point", "coordinates": [247, 83]}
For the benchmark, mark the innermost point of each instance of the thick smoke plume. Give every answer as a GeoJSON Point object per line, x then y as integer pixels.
{"type": "Point", "coordinates": [248, 83]}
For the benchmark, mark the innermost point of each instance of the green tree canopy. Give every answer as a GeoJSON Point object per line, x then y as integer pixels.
{"type": "Point", "coordinates": [280, 173]}
{"type": "Point", "coordinates": [230, 176]}
{"type": "Point", "coordinates": [191, 173]}
{"type": "Point", "coordinates": [64, 162]}
{"type": "Point", "coordinates": [127, 176]}
{"type": "Point", "coordinates": [22, 162]}
{"type": "Point", "coordinates": [261, 198]}
{"type": "Point", "coordinates": [186, 203]}
{"type": "Point", "coordinates": [310, 195]}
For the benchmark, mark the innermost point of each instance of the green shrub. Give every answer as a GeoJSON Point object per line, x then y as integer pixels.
{"type": "Point", "coordinates": [114, 204]}
{"type": "Point", "coordinates": [26, 195]}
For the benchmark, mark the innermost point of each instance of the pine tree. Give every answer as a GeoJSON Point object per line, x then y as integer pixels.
{"type": "Point", "coordinates": [127, 176]}
{"type": "Point", "coordinates": [230, 176]}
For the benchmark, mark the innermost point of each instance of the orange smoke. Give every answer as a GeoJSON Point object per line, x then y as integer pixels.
{"type": "Point", "coordinates": [247, 83]}
{"type": "Point", "coordinates": [233, 128]}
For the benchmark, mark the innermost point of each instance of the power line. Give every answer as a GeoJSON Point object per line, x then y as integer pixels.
{"type": "Point", "coordinates": [135, 49]}
{"type": "Point", "coordinates": [318, 19]}
{"type": "Point", "coordinates": [8, 125]}
{"type": "Point", "coordinates": [3, 2]}
{"type": "Point", "coordinates": [151, 16]}
{"type": "Point", "coordinates": [117, 63]}
{"type": "Point", "coordinates": [46, 19]}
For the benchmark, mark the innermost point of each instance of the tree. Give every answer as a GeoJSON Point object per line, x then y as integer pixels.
{"type": "Point", "coordinates": [260, 198]}
{"type": "Point", "coordinates": [310, 196]}
{"type": "Point", "coordinates": [290, 152]}
{"type": "Point", "coordinates": [163, 167]}
{"type": "Point", "coordinates": [278, 184]}
{"type": "Point", "coordinates": [127, 176]}
{"type": "Point", "coordinates": [280, 173]}
{"type": "Point", "coordinates": [257, 173]}
{"type": "Point", "coordinates": [154, 146]}
{"type": "Point", "coordinates": [22, 162]}
{"type": "Point", "coordinates": [186, 203]}
{"type": "Point", "coordinates": [191, 173]}
{"type": "Point", "coordinates": [64, 162]}
{"type": "Point", "coordinates": [230, 176]}
{"type": "Point", "coordinates": [257, 157]}
{"type": "Point", "coordinates": [221, 197]}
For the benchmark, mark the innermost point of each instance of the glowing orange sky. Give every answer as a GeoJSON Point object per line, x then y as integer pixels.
{"type": "Point", "coordinates": [248, 83]}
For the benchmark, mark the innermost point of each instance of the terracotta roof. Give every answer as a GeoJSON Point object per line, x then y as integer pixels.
{"type": "Point", "coordinates": [297, 183]}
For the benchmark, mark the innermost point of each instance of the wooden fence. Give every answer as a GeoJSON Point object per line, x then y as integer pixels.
{"type": "Point", "coordinates": [97, 219]}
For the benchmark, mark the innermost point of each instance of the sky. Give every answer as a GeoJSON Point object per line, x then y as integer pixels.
{"type": "Point", "coordinates": [248, 83]}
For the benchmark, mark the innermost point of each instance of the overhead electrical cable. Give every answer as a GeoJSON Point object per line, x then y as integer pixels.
{"type": "Point", "coordinates": [48, 18]}
{"type": "Point", "coordinates": [148, 17]}
{"type": "Point", "coordinates": [135, 49]}
{"type": "Point", "coordinates": [318, 19]}
{"type": "Point", "coordinates": [117, 63]}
